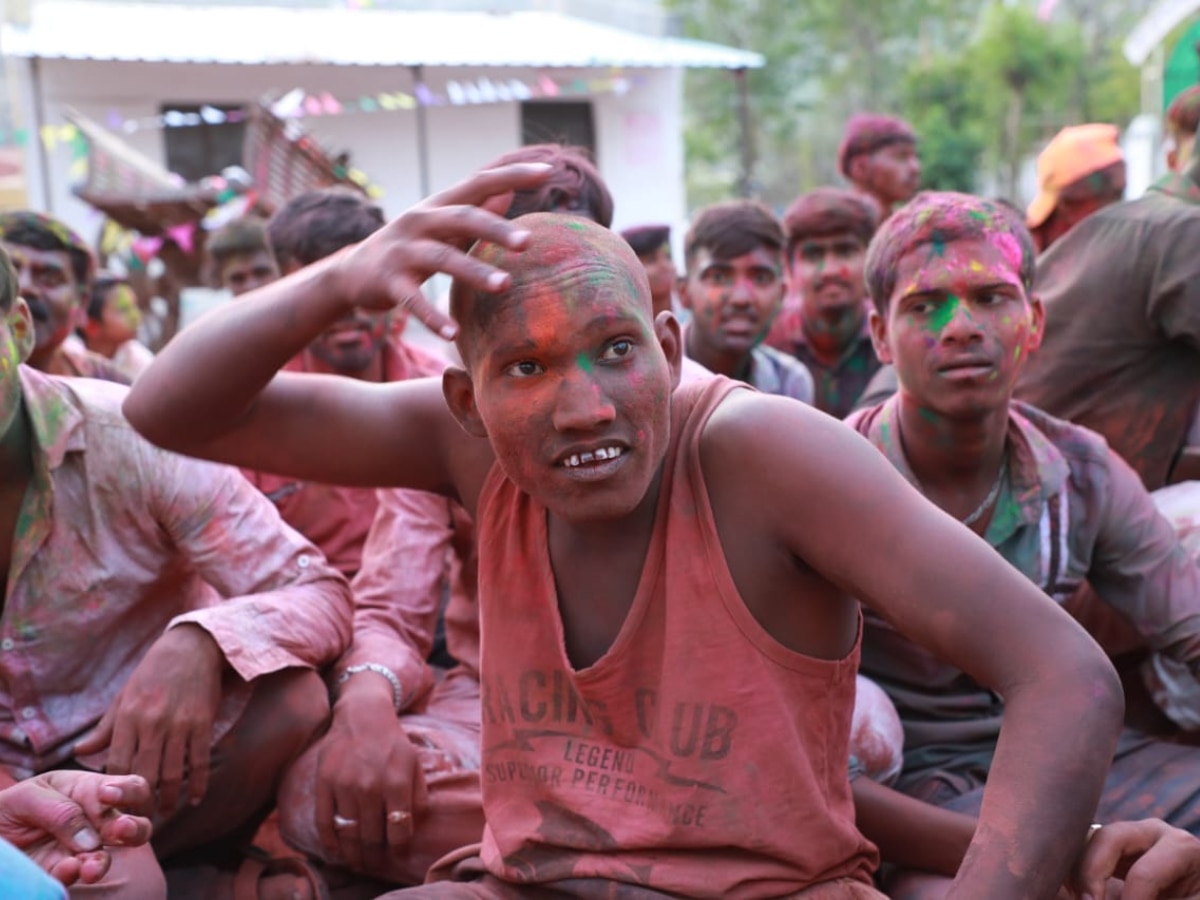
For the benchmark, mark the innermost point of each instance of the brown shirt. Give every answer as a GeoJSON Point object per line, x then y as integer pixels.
{"type": "Point", "coordinates": [1121, 352]}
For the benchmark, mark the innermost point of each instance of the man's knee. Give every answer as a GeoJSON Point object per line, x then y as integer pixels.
{"type": "Point", "coordinates": [297, 805]}
{"type": "Point", "coordinates": [296, 704]}
{"type": "Point", "coordinates": [876, 734]}
{"type": "Point", "coordinates": [918, 886]}
{"type": "Point", "coordinates": [134, 875]}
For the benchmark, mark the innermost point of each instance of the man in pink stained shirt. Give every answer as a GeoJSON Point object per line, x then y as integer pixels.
{"type": "Point", "coordinates": [394, 784]}
{"type": "Point", "coordinates": [159, 619]}
{"type": "Point", "coordinates": [364, 346]}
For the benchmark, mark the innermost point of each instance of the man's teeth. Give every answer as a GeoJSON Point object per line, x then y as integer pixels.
{"type": "Point", "coordinates": [579, 459]}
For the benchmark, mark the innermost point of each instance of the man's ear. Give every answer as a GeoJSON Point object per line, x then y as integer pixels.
{"type": "Point", "coordinates": [459, 391]}
{"type": "Point", "coordinates": [858, 169]}
{"type": "Point", "coordinates": [670, 338]}
{"type": "Point", "coordinates": [879, 336]}
{"type": "Point", "coordinates": [1037, 313]}
{"type": "Point", "coordinates": [20, 323]}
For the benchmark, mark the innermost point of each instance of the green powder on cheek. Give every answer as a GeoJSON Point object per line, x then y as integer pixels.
{"type": "Point", "coordinates": [583, 362]}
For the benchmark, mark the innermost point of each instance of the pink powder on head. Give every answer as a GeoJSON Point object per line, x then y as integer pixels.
{"type": "Point", "coordinates": [1009, 246]}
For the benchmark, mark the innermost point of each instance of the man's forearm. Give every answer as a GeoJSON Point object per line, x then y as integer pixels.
{"type": "Point", "coordinates": [186, 399]}
{"type": "Point", "coordinates": [1055, 750]}
{"type": "Point", "coordinates": [909, 833]}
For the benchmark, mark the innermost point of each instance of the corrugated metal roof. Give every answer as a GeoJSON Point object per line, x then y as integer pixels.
{"type": "Point", "coordinates": [258, 35]}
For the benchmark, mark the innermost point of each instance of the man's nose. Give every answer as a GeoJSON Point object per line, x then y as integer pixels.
{"type": "Point", "coordinates": [581, 404]}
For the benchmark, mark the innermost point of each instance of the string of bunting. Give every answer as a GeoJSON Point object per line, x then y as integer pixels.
{"type": "Point", "coordinates": [299, 104]}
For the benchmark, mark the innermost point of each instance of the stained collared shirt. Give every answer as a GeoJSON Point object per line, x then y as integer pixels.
{"type": "Point", "coordinates": [1070, 509]}
{"type": "Point", "coordinates": [117, 541]}
{"type": "Point", "coordinates": [418, 564]}
{"type": "Point", "coordinates": [837, 387]}
{"type": "Point", "coordinates": [771, 372]}
{"type": "Point", "coordinates": [1121, 345]}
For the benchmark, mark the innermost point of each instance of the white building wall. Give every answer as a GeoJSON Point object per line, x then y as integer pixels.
{"type": "Point", "coordinates": [639, 134]}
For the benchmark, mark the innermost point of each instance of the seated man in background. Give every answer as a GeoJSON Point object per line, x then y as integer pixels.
{"type": "Point", "coordinates": [54, 270]}
{"type": "Point", "coordinates": [1121, 349]}
{"type": "Point", "coordinates": [239, 257]}
{"type": "Point", "coordinates": [111, 326]}
{"type": "Point", "coordinates": [363, 346]}
{"type": "Point", "coordinates": [159, 617]}
{"type": "Point", "coordinates": [652, 244]}
{"type": "Point", "coordinates": [1182, 121]}
{"type": "Point", "coordinates": [878, 156]}
{"type": "Point", "coordinates": [828, 231]}
{"type": "Point", "coordinates": [1082, 170]}
{"type": "Point", "coordinates": [951, 277]}
{"type": "Point", "coordinates": [394, 784]}
{"type": "Point", "coordinates": [733, 286]}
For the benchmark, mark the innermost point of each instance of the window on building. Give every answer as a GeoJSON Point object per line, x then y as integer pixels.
{"type": "Point", "coordinates": [195, 151]}
{"type": "Point", "coordinates": [555, 122]}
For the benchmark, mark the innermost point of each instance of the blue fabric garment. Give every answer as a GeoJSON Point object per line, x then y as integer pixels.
{"type": "Point", "coordinates": [20, 877]}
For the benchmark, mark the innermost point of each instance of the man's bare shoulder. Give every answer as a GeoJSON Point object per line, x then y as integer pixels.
{"type": "Point", "coordinates": [780, 453]}
{"type": "Point", "coordinates": [759, 428]}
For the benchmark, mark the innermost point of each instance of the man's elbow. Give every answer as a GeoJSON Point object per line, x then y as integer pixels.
{"type": "Point", "coordinates": [1098, 690]}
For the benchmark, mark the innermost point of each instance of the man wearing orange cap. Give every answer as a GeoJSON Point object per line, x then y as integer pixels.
{"type": "Point", "coordinates": [1183, 120]}
{"type": "Point", "coordinates": [1080, 171]}
{"type": "Point", "coordinates": [1121, 347]}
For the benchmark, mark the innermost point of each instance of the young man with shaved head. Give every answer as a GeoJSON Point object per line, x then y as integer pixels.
{"type": "Point", "coordinates": [637, 544]}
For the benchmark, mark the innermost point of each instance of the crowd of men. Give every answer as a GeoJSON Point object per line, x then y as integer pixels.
{"type": "Point", "coordinates": [858, 559]}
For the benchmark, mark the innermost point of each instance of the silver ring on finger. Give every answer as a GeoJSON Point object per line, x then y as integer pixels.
{"type": "Point", "coordinates": [341, 822]}
{"type": "Point", "coordinates": [398, 817]}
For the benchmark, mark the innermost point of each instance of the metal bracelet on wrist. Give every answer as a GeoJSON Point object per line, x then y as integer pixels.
{"type": "Point", "coordinates": [397, 688]}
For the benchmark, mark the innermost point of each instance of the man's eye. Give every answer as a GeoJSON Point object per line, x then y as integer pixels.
{"type": "Point", "coordinates": [764, 278]}
{"type": "Point", "coordinates": [717, 277]}
{"type": "Point", "coordinates": [617, 350]}
{"type": "Point", "coordinates": [524, 369]}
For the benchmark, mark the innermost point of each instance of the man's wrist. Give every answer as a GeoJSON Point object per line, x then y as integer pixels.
{"type": "Point", "coordinates": [383, 677]}
{"type": "Point", "coordinates": [198, 641]}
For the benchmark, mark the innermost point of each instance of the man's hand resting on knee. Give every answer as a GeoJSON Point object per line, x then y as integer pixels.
{"type": "Point", "coordinates": [370, 787]}
{"type": "Point", "coordinates": [160, 725]}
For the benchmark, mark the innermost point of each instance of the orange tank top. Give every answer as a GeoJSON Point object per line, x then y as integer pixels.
{"type": "Point", "coordinates": [698, 756]}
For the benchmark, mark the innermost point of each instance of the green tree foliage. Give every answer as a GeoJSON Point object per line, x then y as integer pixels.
{"type": "Point", "coordinates": [985, 84]}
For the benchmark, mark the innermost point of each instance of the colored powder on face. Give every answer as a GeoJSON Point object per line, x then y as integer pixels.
{"type": "Point", "coordinates": [584, 363]}
{"type": "Point", "coordinates": [1017, 353]}
{"type": "Point", "coordinates": [943, 314]}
